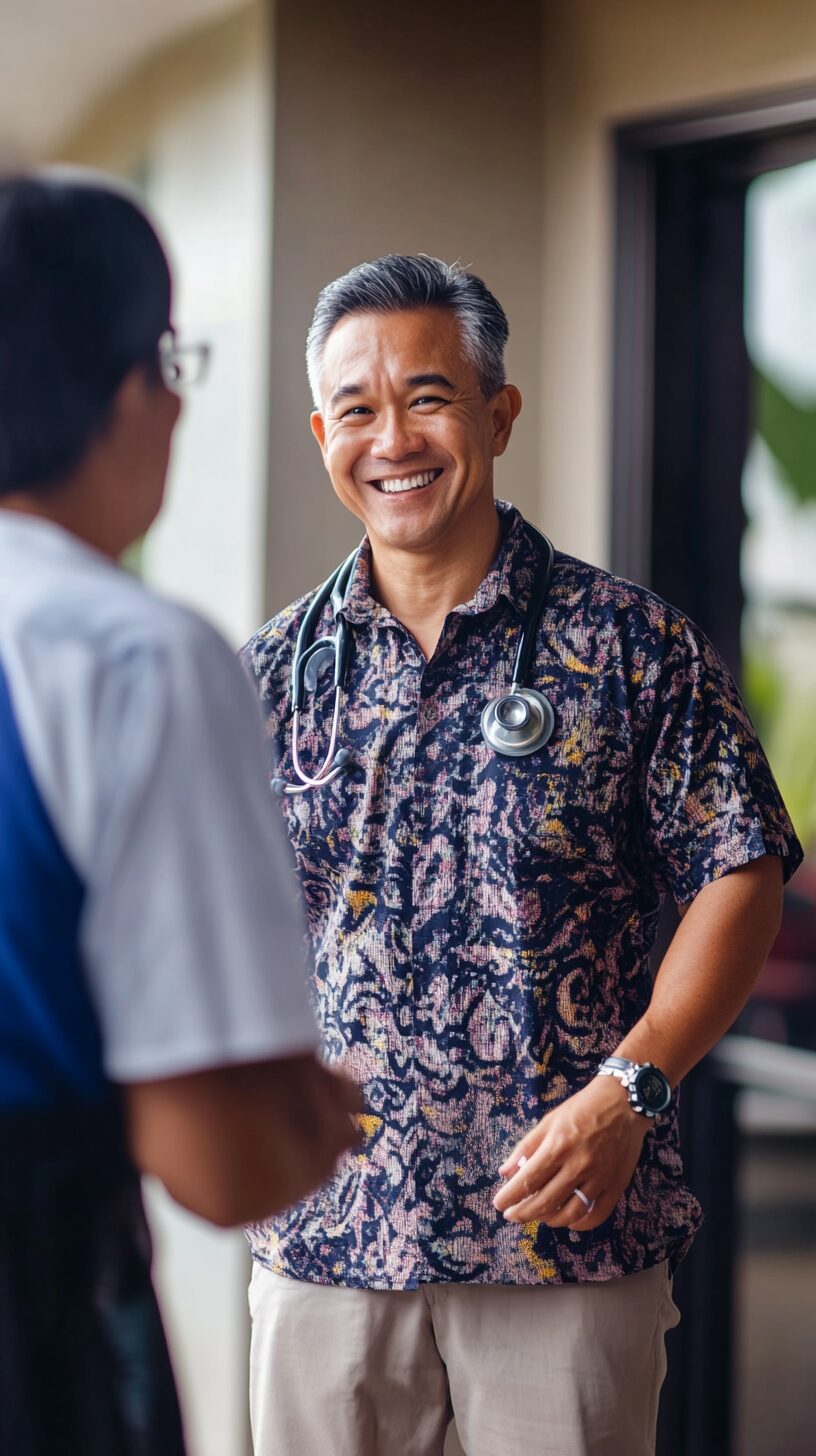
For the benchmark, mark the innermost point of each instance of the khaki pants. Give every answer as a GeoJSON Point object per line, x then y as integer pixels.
{"type": "Point", "coordinates": [566, 1370]}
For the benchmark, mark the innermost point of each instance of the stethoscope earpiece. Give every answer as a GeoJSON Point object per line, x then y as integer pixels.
{"type": "Point", "coordinates": [518, 722]}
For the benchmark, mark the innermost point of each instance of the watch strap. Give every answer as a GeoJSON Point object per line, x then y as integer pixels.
{"type": "Point", "coordinates": [627, 1073]}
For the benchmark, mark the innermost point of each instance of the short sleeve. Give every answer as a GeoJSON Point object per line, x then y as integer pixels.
{"type": "Point", "coordinates": [710, 800]}
{"type": "Point", "coordinates": [192, 933]}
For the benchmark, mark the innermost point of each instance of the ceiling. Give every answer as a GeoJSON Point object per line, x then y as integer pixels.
{"type": "Point", "coordinates": [58, 57]}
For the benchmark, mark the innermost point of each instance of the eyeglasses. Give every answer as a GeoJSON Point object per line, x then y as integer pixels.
{"type": "Point", "coordinates": [182, 365]}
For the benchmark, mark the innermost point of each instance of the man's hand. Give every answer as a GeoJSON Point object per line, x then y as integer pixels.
{"type": "Point", "coordinates": [592, 1142]}
{"type": "Point", "coordinates": [238, 1143]}
{"type": "Point", "coordinates": [316, 1115]}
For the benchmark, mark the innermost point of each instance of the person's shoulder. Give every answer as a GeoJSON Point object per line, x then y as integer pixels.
{"type": "Point", "coordinates": [171, 628]}
{"type": "Point", "coordinates": [97, 635]}
{"type": "Point", "coordinates": [655, 650]}
{"type": "Point", "coordinates": [120, 618]}
{"type": "Point", "coordinates": [622, 605]}
{"type": "Point", "coordinates": [267, 655]}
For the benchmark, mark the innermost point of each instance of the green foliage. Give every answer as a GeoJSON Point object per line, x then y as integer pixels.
{"type": "Point", "coordinates": [782, 706]}
{"type": "Point", "coordinates": [789, 431]}
{"type": "Point", "coordinates": [784, 712]}
{"type": "Point", "coordinates": [762, 690]}
{"type": "Point", "coordinates": [133, 558]}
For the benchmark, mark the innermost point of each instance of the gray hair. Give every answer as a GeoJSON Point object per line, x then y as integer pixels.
{"type": "Point", "coordinates": [400, 281]}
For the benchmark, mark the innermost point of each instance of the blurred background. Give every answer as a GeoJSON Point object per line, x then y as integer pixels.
{"type": "Point", "coordinates": [637, 183]}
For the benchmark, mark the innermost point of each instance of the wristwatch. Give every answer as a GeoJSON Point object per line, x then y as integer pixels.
{"type": "Point", "coordinates": [648, 1089]}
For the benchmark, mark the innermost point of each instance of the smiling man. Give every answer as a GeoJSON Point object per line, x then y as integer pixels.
{"type": "Point", "coordinates": [482, 891]}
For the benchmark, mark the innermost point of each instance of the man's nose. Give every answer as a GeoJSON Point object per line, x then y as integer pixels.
{"type": "Point", "coordinates": [397, 435]}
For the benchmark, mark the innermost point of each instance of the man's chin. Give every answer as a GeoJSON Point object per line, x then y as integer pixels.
{"type": "Point", "coordinates": [413, 533]}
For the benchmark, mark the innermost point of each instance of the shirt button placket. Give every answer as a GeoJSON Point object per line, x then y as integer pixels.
{"type": "Point", "coordinates": [422, 888]}
{"type": "Point", "coordinates": [407, 664]}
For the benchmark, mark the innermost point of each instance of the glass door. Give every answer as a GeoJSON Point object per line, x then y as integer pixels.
{"type": "Point", "coordinates": [714, 507]}
{"type": "Point", "coordinates": [775, 1271]}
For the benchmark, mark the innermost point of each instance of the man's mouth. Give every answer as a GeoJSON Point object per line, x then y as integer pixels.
{"type": "Point", "coordinates": [399, 484]}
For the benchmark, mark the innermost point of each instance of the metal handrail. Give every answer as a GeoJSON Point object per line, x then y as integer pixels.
{"type": "Point", "coordinates": [764, 1066]}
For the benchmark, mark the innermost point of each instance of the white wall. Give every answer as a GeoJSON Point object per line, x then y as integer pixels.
{"type": "Point", "coordinates": [193, 127]}
{"type": "Point", "coordinates": [209, 181]}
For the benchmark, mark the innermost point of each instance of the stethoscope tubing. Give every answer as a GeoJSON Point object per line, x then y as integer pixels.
{"type": "Point", "coordinates": [335, 762]}
{"type": "Point", "coordinates": [334, 587]}
{"type": "Point", "coordinates": [538, 596]}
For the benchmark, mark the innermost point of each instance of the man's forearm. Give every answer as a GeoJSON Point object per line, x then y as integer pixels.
{"type": "Point", "coordinates": [708, 972]}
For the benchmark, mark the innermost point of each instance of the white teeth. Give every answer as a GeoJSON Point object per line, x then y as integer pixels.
{"type": "Point", "coordinates": [408, 482]}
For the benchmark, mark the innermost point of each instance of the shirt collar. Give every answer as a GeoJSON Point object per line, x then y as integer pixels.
{"type": "Point", "coordinates": [360, 605]}
{"type": "Point", "coordinates": [21, 531]}
{"type": "Point", "coordinates": [510, 576]}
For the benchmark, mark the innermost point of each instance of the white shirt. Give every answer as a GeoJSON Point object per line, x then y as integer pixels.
{"type": "Point", "coordinates": [143, 736]}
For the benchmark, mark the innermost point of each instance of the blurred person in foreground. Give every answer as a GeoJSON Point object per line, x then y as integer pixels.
{"type": "Point", "coordinates": [482, 922]}
{"type": "Point", "coordinates": [154, 1015]}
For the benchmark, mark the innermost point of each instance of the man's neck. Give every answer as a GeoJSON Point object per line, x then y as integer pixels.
{"type": "Point", "coordinates": [420, 588]}
{"type": "Point", "coordinates": [74, 505]}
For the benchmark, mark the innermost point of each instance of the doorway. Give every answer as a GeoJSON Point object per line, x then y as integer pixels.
{"type": "Point", "coordinates": [714, 508]}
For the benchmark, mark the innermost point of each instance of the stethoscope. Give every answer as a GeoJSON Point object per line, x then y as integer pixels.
{"type": "Point", "coordinates": [513, 724]}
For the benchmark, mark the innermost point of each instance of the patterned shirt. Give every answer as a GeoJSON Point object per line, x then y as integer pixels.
{"type": "Point", "coordinates": [481, 925]}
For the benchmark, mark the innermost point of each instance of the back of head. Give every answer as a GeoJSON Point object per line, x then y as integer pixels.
{"type": "Point", "coordinates": [85, 296]}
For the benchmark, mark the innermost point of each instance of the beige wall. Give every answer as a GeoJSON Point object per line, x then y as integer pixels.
{"type": "Point", "coordinates": [397, 129]}
{"type": "Point", "coordinates": [485, 134]}
{"type": "Point", "coordinates": [603, 63]}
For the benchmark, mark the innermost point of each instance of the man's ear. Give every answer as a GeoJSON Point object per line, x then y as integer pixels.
{"type": "Point", "coordinates": [505, 407]}
{"type": "Point", "coordinates": [129, 399]}
{"type": "Point", "coordinates": [318, 426]}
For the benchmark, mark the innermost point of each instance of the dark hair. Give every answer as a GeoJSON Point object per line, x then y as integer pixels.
{"type": "Point", "coordinates": [84, 298]}
{"type": "Point", "coordinates": [405, 281]}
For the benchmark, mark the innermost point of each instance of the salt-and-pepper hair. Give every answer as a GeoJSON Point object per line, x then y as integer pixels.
{"type": "Point", "coordinates": [400, 281]}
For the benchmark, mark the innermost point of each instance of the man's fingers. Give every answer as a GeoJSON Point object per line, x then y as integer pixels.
{"type": "Point", "coordinates": [522, 1151]}
{"type": "Point", "coordinates": [523, 1198]}
{"type": "Point", "coordinates": [575, 1214]}
{"type": "Point", "coordinates": [348, 1092]}
{"type": "Point", "coordinates": [532, 1174]}
{"type": "Point", "coordinates": [571, 1215]}
{"type": "Point", "coordinates": [605, 1205]}
{"type": "Point", "coordinates": [555, 1202]}
{"type": "Point", "coordinates": [329, 1112]}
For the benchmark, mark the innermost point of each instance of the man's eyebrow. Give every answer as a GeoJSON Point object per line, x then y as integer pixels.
{"type": "Point", "coordinates": [346, 391]}
{"type": "Point", "coordinates": [415, 380]}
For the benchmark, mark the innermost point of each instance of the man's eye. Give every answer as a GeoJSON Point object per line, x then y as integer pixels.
{"type": "Point", "coordinates": [356, 409]}
{"type": "Point", "coordinates": [430, 399]}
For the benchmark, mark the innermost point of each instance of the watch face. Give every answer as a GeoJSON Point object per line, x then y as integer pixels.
{"type": "Point", "coordinates": [652, 1089]}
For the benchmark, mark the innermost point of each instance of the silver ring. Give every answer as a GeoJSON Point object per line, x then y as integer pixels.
{"type": "Point", "coordinates": [589, 1203]}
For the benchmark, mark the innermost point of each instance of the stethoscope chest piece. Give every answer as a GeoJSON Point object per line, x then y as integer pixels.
{"type": "Point", "coordinates": [518, 722]}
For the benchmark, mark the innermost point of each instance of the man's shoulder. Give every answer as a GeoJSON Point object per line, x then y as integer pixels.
{"type": "Point", "coordinates": [91, 630]}
{"type": "Point", "coordinates": [625, 629]}
{"type": "Point", "coordinates": [117, 616]}
{"type": "Point", "coordinates": [267, 655]}
{"type": "Point", "coordinates": [606, 598]}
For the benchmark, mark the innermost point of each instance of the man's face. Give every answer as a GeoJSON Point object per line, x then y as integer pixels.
{"type": "Point", "coordinates": [137, 450]}
{"type": "Point", "coordinates": [408, 438]}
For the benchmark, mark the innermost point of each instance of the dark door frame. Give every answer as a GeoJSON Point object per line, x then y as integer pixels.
{"type": "Point", "coordinates": [750, 136]}
{"type": "Point", "coordinates": [680, 420]}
